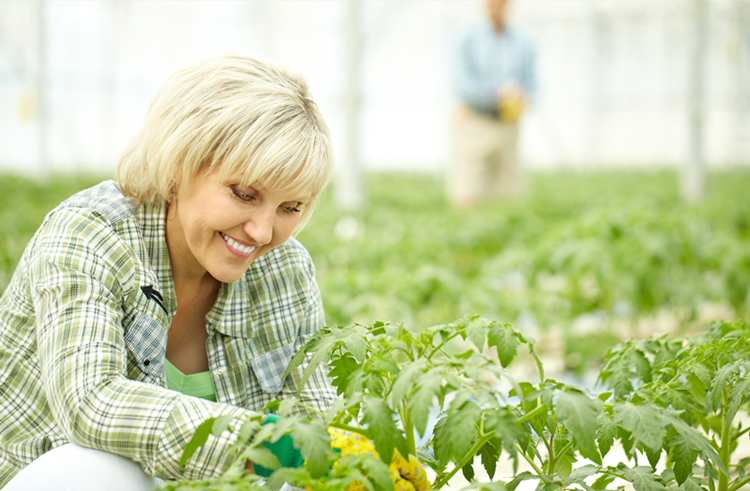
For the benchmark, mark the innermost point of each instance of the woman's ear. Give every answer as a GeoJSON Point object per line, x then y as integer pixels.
{"type": "Point", "coordinates": [177, 180]}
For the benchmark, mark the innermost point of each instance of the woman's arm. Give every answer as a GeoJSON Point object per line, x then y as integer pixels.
{"type": "Point", "coordinates": [81, 270]}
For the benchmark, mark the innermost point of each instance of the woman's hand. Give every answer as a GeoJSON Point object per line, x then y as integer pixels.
{"type": "Point", "coordinates": [407, 474]}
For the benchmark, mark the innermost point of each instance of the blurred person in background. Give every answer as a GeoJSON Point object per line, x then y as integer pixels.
{"type": "Point", "coordinates": [143, 307]}
{"type": "Point", "coordinates": [494, 77]}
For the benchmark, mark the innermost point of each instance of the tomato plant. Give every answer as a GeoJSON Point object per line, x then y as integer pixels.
{"type": "Point", "coordinates": [673, 408]}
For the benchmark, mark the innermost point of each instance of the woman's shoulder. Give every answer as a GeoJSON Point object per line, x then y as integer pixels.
{"type": "Point", "coordinates": [104, 199]}
{"type": "Point", "coordinates": [290, 260]}
{"type": "Point", "coordinates": [93, 219]}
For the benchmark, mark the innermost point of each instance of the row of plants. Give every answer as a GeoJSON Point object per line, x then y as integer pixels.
{"type": "Point", "coordinates": [615, 247]}
{"type": "Point", "coordinates": [674, 406]}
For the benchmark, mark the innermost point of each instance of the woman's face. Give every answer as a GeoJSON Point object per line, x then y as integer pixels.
{"type": "Point", "coordinates": [220, 228]}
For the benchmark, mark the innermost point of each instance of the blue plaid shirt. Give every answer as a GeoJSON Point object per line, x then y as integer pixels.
{"type": "Point", "coordinates": [484, 60]}
{"type": "Point", "coordinates": [83, 336]}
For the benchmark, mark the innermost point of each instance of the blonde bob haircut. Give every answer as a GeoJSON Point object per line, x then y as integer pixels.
{"type": "Point", "coordinates": [247, 116]}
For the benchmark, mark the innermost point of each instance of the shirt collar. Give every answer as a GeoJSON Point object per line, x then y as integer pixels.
{"type": "Point", "coordinates": [152, 218]}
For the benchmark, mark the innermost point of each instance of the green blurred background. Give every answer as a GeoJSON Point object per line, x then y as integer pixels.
{"type": "Point", "coordinates": [584, 260]}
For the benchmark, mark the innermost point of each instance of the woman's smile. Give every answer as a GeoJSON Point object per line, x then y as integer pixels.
{"type": "Point", "coordinates": [243, 251]}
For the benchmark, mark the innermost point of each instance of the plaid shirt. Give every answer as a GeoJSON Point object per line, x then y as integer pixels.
{"type": "Point", "coordinates": [82, 342]}
{"type": "Point", "coordinates": [484, 60]}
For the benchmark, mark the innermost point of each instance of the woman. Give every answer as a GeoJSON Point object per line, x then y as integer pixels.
{"type": "Point", "coordinates": [181, 275]}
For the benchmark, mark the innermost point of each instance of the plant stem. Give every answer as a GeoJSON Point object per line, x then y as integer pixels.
{"type": "Point", "coordinates": [310, 408]}
{"type": "Point", "coordinates": [725, 450]}
{"type": "Point", "coordinates": [539, 366]}
{"type": "Point", "coordinates": [408, 429]}
{"type": "Point", "coordinates": [550, 450]}
{"type": "Point", "coordinates": [354, 429]}
{"type": "Point", "coordinates": [439, 346]}
{"type": "Point", "coordinates": [562, 451]}
{"type": "Point", "coordinates": [532, 413]}
{"type": "Point", "coordinates": [738, 485]}
{"type": "Point", "coordinates": [740, 433]}
{"type": "Point", "coordinates": [469, 456]}
{"type": "Point", "coordinates": [539, 472]}
{"type": "Point", "coordinates": [482, 440]}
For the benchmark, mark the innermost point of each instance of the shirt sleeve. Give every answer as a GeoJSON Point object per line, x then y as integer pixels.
{"type": "Point", "coordinates": [528, 77]}
{"type": "Point", "coordinates": [471, 87]}
{"type": "Point", "coordinates": [79, 276]}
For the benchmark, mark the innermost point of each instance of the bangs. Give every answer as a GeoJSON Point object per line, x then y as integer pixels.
{"type": "Point", "coordinates": [289, 159]}
{"type": "Point", "coordinates": [290, 155]}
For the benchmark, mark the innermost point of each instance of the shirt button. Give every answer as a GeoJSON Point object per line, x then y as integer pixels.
{"type": "Point", "coordinates": [220, 371]}
{"type": "Point", "coordinates": [146, 363]}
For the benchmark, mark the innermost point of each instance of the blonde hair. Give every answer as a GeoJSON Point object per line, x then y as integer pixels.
{"type": "Point", "coordinates": [249, 116]}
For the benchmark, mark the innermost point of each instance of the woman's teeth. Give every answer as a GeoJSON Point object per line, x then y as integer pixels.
{"type": "Point", "coordinates": [237, 246]}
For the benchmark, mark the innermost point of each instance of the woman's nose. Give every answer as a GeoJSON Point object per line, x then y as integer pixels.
{"type": "Point", "coordinates": [259, 227]}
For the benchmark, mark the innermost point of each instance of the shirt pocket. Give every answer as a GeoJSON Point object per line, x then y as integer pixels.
{"type": "Point", "coordinates": [146, 342]}
{"type": "Point", "coordinates": [270, 366]}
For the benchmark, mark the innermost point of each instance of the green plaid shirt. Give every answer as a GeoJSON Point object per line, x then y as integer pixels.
{"type": "Point", "coordinates": [82, 344]}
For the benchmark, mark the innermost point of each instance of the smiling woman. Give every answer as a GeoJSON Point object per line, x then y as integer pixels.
{"type": "Point", "coordinates": [146, 305]}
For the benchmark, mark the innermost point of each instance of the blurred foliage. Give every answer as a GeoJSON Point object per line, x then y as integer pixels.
{"type": "Point", "coordinates": [582, 249]}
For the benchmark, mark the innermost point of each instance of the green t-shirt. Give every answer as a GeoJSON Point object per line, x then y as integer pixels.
{"type": "Point", "coordinates": [196, 385]}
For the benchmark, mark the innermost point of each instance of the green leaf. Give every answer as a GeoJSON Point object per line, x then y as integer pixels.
{"type": "Point", "coordinates": [485, 486]}
{"type": "Point", "coordinates": [518, 479]}
{"type": "Point", "coordinates": [683, 456]}
{"type": "Point", "coordinates": [606, 431]}
{"type": "Point", "coordinates": [643, 478]}
{"type": "Point", "coordinates": [475, 332]}
{"type": "Point", "coordinates": [504, 339]}
{"type": "Point", "coordinates": [199, 438]}
{"type": "Point", "coordinates": [312, 439]}
{"type": "Point", "coordinates": [578, 475]}
{"type": "Point", "coordinates": [721, 382]}
{"type": "Point", "coordinates": [737, 396]}
{"type": "Point", "coordinates": [357, 346]}
{"type": "Point", "coordinates": [220, 425]}
{"type": "Point", "coordinates": [602, 481]}
{"type": "Point", "coordinates": [321, 355]}
{"type": "Point", "coordinates": [468, 471]}
{"type": "Point", "coordinates": [692, 484]}
{"type": "Point", "coordinates": [695, 439]}
{"type": "Point", "coordinates": [490, 455]}
{"type": "Point", "coordinates": [453, 439]}
{"type": "Point", "coordinates": [627, 441]}
{"type": "Point", "coordinates": [652, 456]}
{"type": "Point", "coordinates": [643, 422]}
{"type": "Point", "coordinates": [262, 456]}
{"type": "Point", "coordinates": [284, 426]}
{"type": "Point", "coordinates": [406, 380]}
{"type": "Point", "coordinates": [381, 427]}
{"type": "Point", "coordinates": [296, 361]}
{"type": "Point", "coordinates": [286, 406]}
{"type": "Point", "coordinates": [298, 476]}
{"type": "Point", "coordinates": [578, 413]}
{"type": "Point", "coordinates": [701, 372]}
{"type": "Point", "coordinates": [341, 372]}
{"type": "Point", "coordinates": [641, 365]}
{"type": "Point", "coordinates": [247, 429]}
{"type": "Point", "coordinates": [428, 386]}
{"type": "Point", "coordinates": [563, 461]}
{"type": "Point", "coordinates": [378, 472]}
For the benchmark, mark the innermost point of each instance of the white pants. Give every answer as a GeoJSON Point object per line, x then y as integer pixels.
{"type": "Point", "coordinates": [485, 160]}
{"type": "Point", "coordinates": [74, 468]}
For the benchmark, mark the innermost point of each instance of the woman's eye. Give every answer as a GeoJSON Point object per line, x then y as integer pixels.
{"type": "Point", "coordinates": [242, 195]}
{"type": "Point", "coordinates": [296, 208]}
